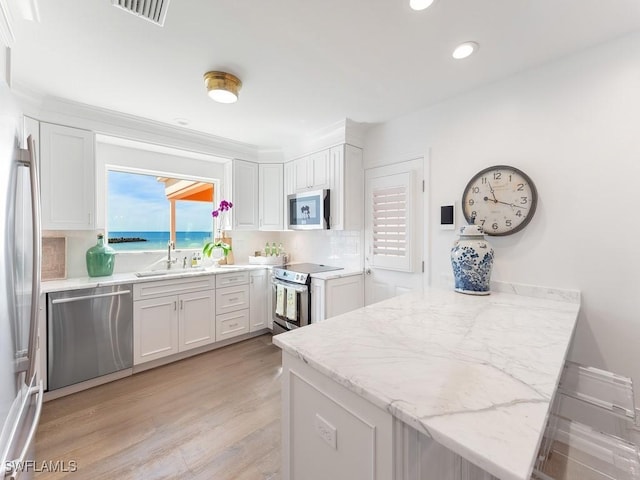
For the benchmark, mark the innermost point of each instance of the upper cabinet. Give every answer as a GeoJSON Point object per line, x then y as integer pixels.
{"type": "Point", "coordinates": [271, 204]}
{"type": "Point", "coordinates": [312, 172]}
{"type": "Point", "coordinates": [347, 188]}
{"type": "Point", "coordinates": [244, 195]}
{"type": "Point", "coordinates": [67, 176]}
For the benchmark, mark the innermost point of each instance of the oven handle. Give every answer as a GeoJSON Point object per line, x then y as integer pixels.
{"type": "Point", "coordinates": [296, 287]}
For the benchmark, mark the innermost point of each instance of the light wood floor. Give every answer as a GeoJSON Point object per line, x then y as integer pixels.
{"type": "Point", "coordinates": [211, 417]}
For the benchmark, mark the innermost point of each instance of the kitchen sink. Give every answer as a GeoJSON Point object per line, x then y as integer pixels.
{"type": "Point", "coordinates": [173, 271]}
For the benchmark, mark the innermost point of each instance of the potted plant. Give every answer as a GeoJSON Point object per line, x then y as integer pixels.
{"type": "Point", "coordinates": [218, 248]}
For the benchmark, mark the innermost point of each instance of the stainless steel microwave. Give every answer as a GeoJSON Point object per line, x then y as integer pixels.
{"type": "Point", "coordinates": [309, 210]}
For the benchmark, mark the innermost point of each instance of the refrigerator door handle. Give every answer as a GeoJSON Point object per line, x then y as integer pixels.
{"type": "Point", "coordinates": [28, 159]}
{"type": "Point", "coordinates": [12, 468]}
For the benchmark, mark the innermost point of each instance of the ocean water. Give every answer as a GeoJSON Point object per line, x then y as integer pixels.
{"type": "Point", "coordinates": [159, 240]}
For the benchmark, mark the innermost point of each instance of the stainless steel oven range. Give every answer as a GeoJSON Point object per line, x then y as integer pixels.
{"type": "Point", "coordinates": [291, 295]}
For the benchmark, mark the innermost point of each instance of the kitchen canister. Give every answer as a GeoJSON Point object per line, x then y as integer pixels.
{"type": "Point", "coordinates": [472, 260]}
{"type": "Point", "coordinates": [100, 259]}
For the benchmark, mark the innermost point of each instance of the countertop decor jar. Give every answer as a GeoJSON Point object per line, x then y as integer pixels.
{"type": "Point", "coordinates": [100, 259]}
{"type": "Point", "coordinates": [472, 260]}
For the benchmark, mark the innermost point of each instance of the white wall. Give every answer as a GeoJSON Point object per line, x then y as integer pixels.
{"type": "Point", "coordinates": [574, 127]}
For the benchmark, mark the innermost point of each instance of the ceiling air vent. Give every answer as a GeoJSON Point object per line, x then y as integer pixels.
{"type": "Point", "coordinates": [153, 10]}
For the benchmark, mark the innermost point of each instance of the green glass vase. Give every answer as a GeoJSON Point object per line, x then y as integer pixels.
{"type": "Point", "coordinates": [100, 259]}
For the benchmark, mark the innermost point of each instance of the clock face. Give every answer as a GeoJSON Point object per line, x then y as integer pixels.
{"type": "Point", "coordinates": [501, 199]}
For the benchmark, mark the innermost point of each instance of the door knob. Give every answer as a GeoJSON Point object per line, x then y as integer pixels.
{"type": "Point", "coordinates": [368, 271]}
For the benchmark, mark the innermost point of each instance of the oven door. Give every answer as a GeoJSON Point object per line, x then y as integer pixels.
{"type": "Point", "coordinates": [286, 316]}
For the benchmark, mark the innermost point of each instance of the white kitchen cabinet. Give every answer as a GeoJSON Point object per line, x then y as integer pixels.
{"type": "Point", "coordinates": [347, 188]}
{"type": "Point", "coordinates": [244, 195]}
{"type": "Point", "coordinates": [330, 432]}
{"type": "Point", "coordinates": [232, 305]}
{"type": "Point", "coordinates": [271, 198]}
{"type": "Point", "coordinates": [196, 319]}
{"type": "Point", "coordinates": [289, 188]}
{"type": "Point", "coordinates": [258, 295]}
{"type": "Point", "coordinates": [336, 296]}
{"type": "Point", "coordinates": [155, 328]}
{"type": "Point", "coordinates": [313, 172]}
{"type": "Point", "coordinates": [270, 300]}
{"type": "Point", "coordinates": [67, 177]}
{"type": "Point", "coordinates": [172, 316]}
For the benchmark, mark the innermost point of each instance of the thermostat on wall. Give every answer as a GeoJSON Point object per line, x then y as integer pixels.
{"type": "Point", "coordinates": [447, 217]}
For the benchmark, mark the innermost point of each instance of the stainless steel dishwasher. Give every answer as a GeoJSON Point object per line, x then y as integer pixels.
{"type": "Point", "coordinates": [89, 333]}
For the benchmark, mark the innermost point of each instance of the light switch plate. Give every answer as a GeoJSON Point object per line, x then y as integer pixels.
{"type": "Point", "coordinates": [448, 216]}
{"type": "Point", "coordinates": [327, 432]}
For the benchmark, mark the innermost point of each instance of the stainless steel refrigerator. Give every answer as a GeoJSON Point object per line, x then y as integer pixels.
{"type": "Point", "coordinates": [20, 389]}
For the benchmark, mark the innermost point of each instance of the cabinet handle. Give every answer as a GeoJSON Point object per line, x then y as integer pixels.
{"type": "Point", "coordinates": [175, 306]}
{"type": "Point", "coordinates": [181, 304]}
{"type": "Point", "coordinates": [89, 218]}
{"type": "Point", "coordinates": [233, 325]}
{"type": "Point", "coordinates": [234, 299]}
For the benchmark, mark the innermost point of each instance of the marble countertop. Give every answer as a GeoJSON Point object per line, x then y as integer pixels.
{"type": "Point", "coordinates": [91, 282]}
{"type": "Point", "coordinates": [345, 272]}
{"type": "Point", "coordinates": [476, 373]}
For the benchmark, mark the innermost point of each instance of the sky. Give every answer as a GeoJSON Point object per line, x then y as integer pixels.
{"type": "Point", "coordinates": [136, 203]}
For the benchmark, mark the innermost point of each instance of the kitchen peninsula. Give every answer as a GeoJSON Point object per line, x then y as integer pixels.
{"type": "Point", "coordinates": [430, 385]}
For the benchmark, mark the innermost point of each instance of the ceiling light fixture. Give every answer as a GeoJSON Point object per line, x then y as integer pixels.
{"type": "Point", "coordinates": [465, 49]}
{"type": "Point", "coordinates": [420, 4]}
{"type": "Point", "coordinates": [222, 86]}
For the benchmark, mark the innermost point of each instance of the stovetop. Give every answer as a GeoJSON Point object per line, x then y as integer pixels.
{"type": "Point", "coordinates": [301, 272]}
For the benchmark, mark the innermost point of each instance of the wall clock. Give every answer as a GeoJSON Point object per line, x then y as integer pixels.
{"type": "Point", "coordinates": [501, 199]}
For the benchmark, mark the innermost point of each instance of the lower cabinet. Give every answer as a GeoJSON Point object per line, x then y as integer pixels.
{"type": "Point", "coordinates": [258, 295]}
{"type": "Point", "coordinates": [172, 316]}
{"type": "Point", "coordinates": [336, 296]}
{"type": "Point", "coordinates": [232, 305]}
{"type": "Point", "coordinates": [328, 432]}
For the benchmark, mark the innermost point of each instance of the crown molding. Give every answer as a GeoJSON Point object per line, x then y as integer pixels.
{"type": "Point", "coordinates": [338, 133]}
{"type": "Point", "coordinates": [130, 127]}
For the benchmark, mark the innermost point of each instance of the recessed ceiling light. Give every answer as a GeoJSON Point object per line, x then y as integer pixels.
{"type": "Point", "coordinates": [420, 4]}
{"type": "Point", "coordinates": [465, 49]}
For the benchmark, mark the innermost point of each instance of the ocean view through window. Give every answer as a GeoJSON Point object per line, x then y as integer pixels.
{"type": "Point", "coordinates": [145, 211]}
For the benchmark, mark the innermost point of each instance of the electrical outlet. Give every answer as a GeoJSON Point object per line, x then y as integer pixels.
{"type": "Point", "coordinates": [327, 432]}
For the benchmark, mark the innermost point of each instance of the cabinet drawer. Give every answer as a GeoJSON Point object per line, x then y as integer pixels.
{"type": "Point", "coordinates": [233, 278]}
{"type": "Point", "coordinates": [232, 324]}
{"type": "Point", "coordinates": [230, 299]}
{"type": "Point", "coordinates": [162, 288]}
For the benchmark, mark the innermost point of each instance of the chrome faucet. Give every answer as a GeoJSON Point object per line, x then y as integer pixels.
{"type": "Point", "coordinates": [170, 260]}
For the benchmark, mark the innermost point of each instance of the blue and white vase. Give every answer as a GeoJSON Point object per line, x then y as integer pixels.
{"type": "Point", "coordinates": [472, 260]}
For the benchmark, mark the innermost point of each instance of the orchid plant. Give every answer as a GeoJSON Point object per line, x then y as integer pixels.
{"type": "Point", "coordinates": [218, 214]}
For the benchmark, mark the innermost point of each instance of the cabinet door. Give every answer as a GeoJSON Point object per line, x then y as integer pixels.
{"type": "Point", "coordinates": [320, 167]}
{"type": "Point", "coordinates": [317, 300]}
{"type": "Point", "coordinates": [67, 178]}
{"type": "Point", "coordinates": [343, 295]}
{"type": "Point", "coordinates": [289, 188]}
{"type": "Point", "coordinates": [245, 195]}
{"type": "Point", "coordinates": [269, 290]}
{"type": "Point", "coordinates": [301, 174]}
{"type": "Point", "coordinates": [271, 196]}
{"type": "Point", "coordinates": [258, 300]}
{"type": "Point", "coordinates": [197, 319]}
{"type": "Point", "coordinates": [155, 328]}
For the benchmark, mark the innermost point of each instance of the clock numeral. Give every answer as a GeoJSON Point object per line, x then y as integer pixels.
{"type": "Point", "coordinates": [523, 200]}
{"type": "Point", "coordinates": [497, 175]}
{"type": "Point", "coordinates": [474, 214]}
{"type": "Point", "coordinates": [484, 180]}
{"type": "Point", "coordinates": [482, 222]}
{"type": "Point", "coordinates": [476, 190]}
{"type": "Point", "coordinates": [494, 226]}
{"type": "Point", "coordinates": [520, 187]}
{"type": "Point", "coordinates": [508, 223]}
{"type": "Point", "coordinates": [471, 201]}
{"type": "Point", "coordinates": [519, 213]}
{"type": "Point", "coordinates": [509, 178]}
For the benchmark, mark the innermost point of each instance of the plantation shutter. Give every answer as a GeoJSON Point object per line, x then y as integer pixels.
{"type": "Point", "coordinates": [391, 207]}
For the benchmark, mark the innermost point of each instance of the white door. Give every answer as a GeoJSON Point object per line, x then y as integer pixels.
{"type": "Point", "coordinates": [394, 219]}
